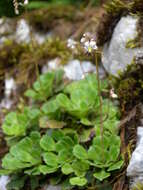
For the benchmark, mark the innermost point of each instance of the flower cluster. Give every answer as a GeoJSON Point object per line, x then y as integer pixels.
{"type": "Point", "coordinates": [89, 42]}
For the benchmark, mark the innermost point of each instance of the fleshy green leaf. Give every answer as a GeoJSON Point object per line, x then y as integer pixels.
{"type": "Point", "coordinates": [34, 171]}
{"type": "Point", "coordinates": [47, 143]}
{"type": "Point", "coordinates": [80, 167]}
{"type": "Point", "coordinates": [42, 88]}
{"type": "Point", "coordinates": [11, 163]}
{"type": "Point", "coordinates": [51, 109]}
{"type": "Point", "coordinates": [101, 175]}
{"type": "Point", "coordinates": [51, 159]}
{"type": "Point", "coordinates": [47, 169]}
{"type": "Point", "coordinates": [15, 124]}
{"type": "Point", "coordinates": [65, 156]}
{"type": "Point", "coordinates": [80, 152]}
{"type": "Point", "coordinates": [64, 102]}
{"type": "Point", "coordinates": [57, 135]}
{"type": "Point", "coordinates": [32, 94]}
{"type": "Point", "coordinates": [24, 154]}
{"type": "Point", "coordinates": [66, 143]}
{"type": "Point", "coordinates": [67, 169]}
{"type": "Point", "coordinates": [78, 181]}
{"type": "Point", "coordinates": [86, 122]}
{"type": "Point", "coordinates": [116, 165]}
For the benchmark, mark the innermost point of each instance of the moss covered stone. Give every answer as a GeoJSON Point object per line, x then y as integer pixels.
{"type": "Point", "coordinates": [114, 10]}
{"type": "Point", "coordinates": [129, 85]}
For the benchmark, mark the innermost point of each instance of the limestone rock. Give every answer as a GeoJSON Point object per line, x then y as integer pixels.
{"type": "Point", "coordinates": [3, 182]}
{"type": "Point", "coordinates": [116, 56]}
{"type": "Point", "coordinates": [135, 167]}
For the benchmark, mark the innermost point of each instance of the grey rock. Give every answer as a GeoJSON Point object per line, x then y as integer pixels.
{"type": "Point", "coordinates": [22, 32]}
{"type": "Point", "coordinates": [74, 69]}
{"type": "Point", "coordinates": [51, 187]}
{"type": "Point", "coordinates": [135, 167]}
{"type": "Point", "coordinates": [115, 55]}
{"type": "Point", "coordinates": [3, 182]}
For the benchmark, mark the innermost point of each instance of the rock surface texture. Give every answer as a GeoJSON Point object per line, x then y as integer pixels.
{"type": "Point", "coordinates": [20, 31]}
{"type": "Point", "coordinates": [135, 167]}
{"type": "Point", "coordinates": [115, 54]}
{"type": "Point", "coordinates": [3, 182]}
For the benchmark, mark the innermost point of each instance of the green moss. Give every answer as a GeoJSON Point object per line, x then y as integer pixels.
{"type": "Point", "coordinates": [45, 19]}
{"type": "Point", "coordinates": [138, 186]}
{"type": "Point", "coordinates": [134, 43]}
{"type": "Point", "coordinates": [129, 86]}
{"type": "Point", "coordinates": [23, 59]}
{"type": "Point", "coordinates": [10, 53]}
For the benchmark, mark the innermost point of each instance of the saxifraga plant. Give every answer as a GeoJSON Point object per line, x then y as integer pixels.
{"type": "Point", "coordinates": [47, 137]}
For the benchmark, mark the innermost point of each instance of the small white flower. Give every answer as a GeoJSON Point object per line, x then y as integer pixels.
{"type": "Point", "coordinates": [83, 40]}
{"type": "Point", "coordinates": [26, 2]}
{"type": "Point", "coordinates": [71, 43]}
{"type": "Point", "coordinates": [89, 43]}
{"type": "Point", "coordinates": [112, 93]}
{"type": "Point", "coordinates": [93, 44]}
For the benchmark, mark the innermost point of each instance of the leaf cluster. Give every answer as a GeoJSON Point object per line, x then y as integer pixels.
{"type": "Point", "coordinates": [59, 132]}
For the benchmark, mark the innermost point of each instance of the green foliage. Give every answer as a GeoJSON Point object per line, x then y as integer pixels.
{"type": "Point", "coordinates": [16, 183]}
{"type": "Point", "coordinates": [24, 154]}
{"type": "Point", "coordinates": [15, 124]}
{"type": "Point", "coordinates": [83, 97]}
{"type": "Point", "coordinates": [44, 87]}
{"type": "Point", "coordinates": [43, 4]}
{"type": "Point", "coordinates": [80, 181]}
{"type": "Point", "coordinates": [67, 115]}
{"type": "Point", "coordinates": [138, 186]}
{"type": "Point", "coordinates": [6, 8]}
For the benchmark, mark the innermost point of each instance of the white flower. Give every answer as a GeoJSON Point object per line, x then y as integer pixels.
{"type": "Point", "coordinates": [23, 3]}
{"type": "Point", "coordinates": [89, 43]}
{"type": "Point", "coordinates": [90, 46]}
{"type": "Point", "coordinates": [26, 2]}
{"type": "Point", "coordinates": [16, 4]}
{"type": "Point", "coordinates": [71, 43]}
{"type": "Point", "coordinates": [83, 40]}
{"type": "Point", "coordinates": [112, 93]}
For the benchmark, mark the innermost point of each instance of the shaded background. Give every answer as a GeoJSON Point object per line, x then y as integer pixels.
{"type": "Point", "coordinates": [6, 6]}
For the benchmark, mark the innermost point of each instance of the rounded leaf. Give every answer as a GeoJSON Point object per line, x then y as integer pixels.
{"type": "Point", "coordinates": [80, 152]}
{"type": "Point", "coordinates": [67, 169]}
{"type": "Point", "coordinates": [50, 159]}
{"type": "Point", "coordinates": [47, 143]}
{"type": "Point", "coordinates": [78, 181]}
{"type": "Point", "coordinates": [101, 175]}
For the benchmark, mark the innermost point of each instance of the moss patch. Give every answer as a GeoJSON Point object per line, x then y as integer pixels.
{"type": "Point", "coordinates": [129, 86]}
{"type": "Point", "coordinates": [22, 60]}
{"type": "Point", "coordinates": [56, 18]}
